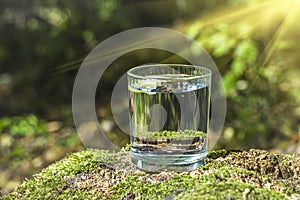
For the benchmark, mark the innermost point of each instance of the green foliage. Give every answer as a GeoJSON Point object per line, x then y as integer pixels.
{"type": "Point", "coordinates": [244, 57]}
{"type": "Point", "coordinates": [253, 87]}
{"type": "Point", "coordinates": [54, 39]}
{"type": "Point", "coordinates": [70, 141]}
{"type": "Point", "coordinates": [44, 50]}
{"type": "Point", "coordinates": [22, 126]}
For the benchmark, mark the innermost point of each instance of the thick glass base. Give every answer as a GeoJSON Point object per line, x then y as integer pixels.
{"type": "Point", "coordinates": [157, 162]}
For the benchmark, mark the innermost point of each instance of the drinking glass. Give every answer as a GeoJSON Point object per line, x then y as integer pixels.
{"type": "Point", "coordinates": [169, 116]}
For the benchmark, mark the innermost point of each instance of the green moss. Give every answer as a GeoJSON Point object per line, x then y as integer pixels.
{"type": "Point", "coordinates": [218, 184]}
{"type": "Point", "coordinates": [50, 182]}
{"type": "Point", "coordinates": [229, 190]}
{"type": "Point", "coordinates": [142, 188]}
{"type": "Point", "coordinates": [174, 134]}
{"type": "Point", "coordinates": [95, 174]}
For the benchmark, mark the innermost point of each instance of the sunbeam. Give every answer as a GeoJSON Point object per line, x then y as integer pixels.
{"type": "Point", "coordinates": [290, 9]}
{"type": "Point", "coordinates": [260, 16]}
{"type": "Point", "coordinates": [281, 30]}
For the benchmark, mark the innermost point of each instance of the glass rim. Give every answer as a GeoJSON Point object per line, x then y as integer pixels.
{"type": "Point", "coordinates": [131, 74]}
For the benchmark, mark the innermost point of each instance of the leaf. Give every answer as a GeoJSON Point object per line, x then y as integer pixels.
{"type": "Point", "coordinates": [229, 82]}
{"type": "Point", "coordinates": [238, 68]}
{"type": "Point", "coordinates": [246, 52]}
{"type": "Point", "coordinates": [4, 123]}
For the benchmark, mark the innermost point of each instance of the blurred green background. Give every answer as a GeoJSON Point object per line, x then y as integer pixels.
{"type": "Point", "coordinates": [255, 45]}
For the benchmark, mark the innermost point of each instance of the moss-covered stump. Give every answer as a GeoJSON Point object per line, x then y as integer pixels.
{"type": "Point", "coordinates": [95, 174]}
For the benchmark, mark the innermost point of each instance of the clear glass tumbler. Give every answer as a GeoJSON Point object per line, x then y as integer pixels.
{"type": "Point", "coordinates": [169, 116]}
